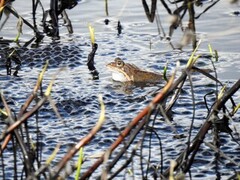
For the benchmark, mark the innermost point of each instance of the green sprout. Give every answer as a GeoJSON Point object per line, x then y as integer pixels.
{"type": "Point", "coordinates": [79, 164]}
{"type": "Point", "coordinates": [192, 58]}
{"type": "Point", "coordinates": [19, 28]}
{"type": "Point", "coordinates": [214, 53]}
{"type": "Point", "coordinates": [91, 31]}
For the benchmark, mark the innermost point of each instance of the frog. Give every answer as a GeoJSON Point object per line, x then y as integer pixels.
{"type": "Point", "coordinates": [127, 72]}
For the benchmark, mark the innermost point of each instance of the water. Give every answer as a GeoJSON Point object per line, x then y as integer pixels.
{"type": "Point", "coordinates": [75, 94]}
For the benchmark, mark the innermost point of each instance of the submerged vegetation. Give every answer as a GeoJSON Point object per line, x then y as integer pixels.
{"type": "Point", "coordinates": [140, 137]}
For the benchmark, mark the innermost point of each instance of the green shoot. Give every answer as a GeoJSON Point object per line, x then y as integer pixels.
{"type": "Point", "coordinates": [4, 113]}
{"type": "Point", "coordinates": [102, 114]}
{"type": "Point", "coordinates": [221, 93]}
{"type": "Point", "coordinates": [236, 108]}
{"type": "Point", "coordinates": [192, 60]}
{"type": "Point", "coordinates": [210, 49]}
{"type": "Point", "coordinates": [214, 54]}
{"type": "Point", "coordinates": [53, 155]}
{"type": "Point", "coordinates": [40, 77]}
{"type": "Point", "coordinates": [19, 28]}
{"type": "Point", "coordinates": [91, 31]}
{"type": "Point", "coordinates": [79, 164]}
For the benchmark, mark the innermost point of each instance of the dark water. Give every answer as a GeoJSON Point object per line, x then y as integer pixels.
{"type": "Point", "coordinates": [76, 94]}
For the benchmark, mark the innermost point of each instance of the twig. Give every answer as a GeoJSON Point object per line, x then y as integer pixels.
{"type": "Point", "coordinates": [130, 126]}
{"type": "Point", "coordinates": [206, 126]}
{"type": "Point", "coordinates": [90, 62]}
{"type": "Point", "coordinates": [81, 143]}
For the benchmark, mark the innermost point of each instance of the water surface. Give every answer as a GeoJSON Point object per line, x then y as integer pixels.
{"type": "Point", "coordinates": [76, 94]}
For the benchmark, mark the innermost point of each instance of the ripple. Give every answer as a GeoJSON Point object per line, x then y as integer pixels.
{"type": "Point", "coordinates": [75, 94]}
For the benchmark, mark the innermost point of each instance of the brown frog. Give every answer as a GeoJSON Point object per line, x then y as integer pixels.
{"type": "Point", "coordinates": [125, 72]}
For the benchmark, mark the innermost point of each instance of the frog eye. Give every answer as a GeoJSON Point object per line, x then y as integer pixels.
{"type": "Point", "coordinates": [119, 62]}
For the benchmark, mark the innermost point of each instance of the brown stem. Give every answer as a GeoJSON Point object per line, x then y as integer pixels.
{"type": "Point", "coordinates": [160, 96]}
{"type": "Point", "coordinates": [204, 129]}
{"type": "Point", "coordinates": [191, 24]}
